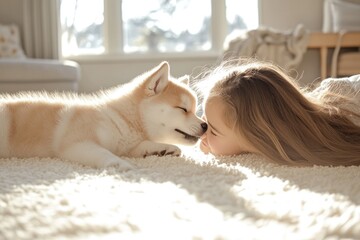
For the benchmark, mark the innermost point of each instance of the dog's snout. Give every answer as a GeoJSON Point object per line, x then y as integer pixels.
{"type": "Point", "coordinates": [204, 126]}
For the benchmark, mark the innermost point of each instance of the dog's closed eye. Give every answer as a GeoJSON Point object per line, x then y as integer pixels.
{"type": "Point", "coordinates": [184, 109]}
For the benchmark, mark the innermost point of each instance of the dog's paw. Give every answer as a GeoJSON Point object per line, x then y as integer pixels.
{"type": "Point", "coordinates": [119, 164]}
{"type": "Point", "coordinates": [168, 150]}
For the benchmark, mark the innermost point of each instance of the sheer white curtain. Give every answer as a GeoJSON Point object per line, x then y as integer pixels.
{"type": "Point", "coordinates": [41, 34]}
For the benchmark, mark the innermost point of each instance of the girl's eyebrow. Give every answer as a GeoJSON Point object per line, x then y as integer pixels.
{"type": "Point", "coordinates": [217, 131]}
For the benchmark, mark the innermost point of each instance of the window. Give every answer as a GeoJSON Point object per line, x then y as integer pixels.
{"type": "Point", "coordinates": [151, 26]}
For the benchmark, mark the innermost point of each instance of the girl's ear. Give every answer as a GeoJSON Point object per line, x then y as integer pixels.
{"type": "Point", "coordinates": [184, 79]}
{"type": "Point", "coordinates": [158, 80]}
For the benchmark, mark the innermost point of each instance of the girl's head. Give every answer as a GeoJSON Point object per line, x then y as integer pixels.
{"type": "Point", "coordinates": [255, 107]}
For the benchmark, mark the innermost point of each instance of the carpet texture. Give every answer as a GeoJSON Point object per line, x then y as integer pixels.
{"type": "Point", "coordinates": [190, 197]}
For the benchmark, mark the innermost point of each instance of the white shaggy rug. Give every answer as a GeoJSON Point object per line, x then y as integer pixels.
{"type": "Point", "coordinates": [189, 197]}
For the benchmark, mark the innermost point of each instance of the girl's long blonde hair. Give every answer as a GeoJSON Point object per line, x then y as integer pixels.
{"type": "Point", "coordinates": [268, 108]}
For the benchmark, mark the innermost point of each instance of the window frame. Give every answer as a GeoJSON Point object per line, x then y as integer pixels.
{"type": "Point", "coordinates": [113, 42]}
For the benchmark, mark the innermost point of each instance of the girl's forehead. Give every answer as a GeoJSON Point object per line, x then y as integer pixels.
{"type": "Point", "coordinates": [214, 102]}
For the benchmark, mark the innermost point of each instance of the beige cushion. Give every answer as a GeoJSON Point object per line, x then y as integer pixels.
{"type": "Point", "coordinates": [10, 46]}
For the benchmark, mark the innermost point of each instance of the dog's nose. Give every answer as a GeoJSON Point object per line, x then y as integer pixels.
{"type": "Point", "coordinates": [204, 126]}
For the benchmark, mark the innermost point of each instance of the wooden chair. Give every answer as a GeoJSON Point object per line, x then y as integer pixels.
{"type": "Point", "coordinates": [343, 64]}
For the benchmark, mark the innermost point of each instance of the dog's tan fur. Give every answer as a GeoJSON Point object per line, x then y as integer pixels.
{"type": "Point", "coordinates": [143, 117]}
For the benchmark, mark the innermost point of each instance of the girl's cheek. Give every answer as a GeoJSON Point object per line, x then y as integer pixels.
{"type": "Point", "coordinates": [213, 145]}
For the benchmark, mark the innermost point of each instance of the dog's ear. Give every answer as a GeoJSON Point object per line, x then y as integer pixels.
{"type": "Point", "coordinates": [158, 80]}
{"type": "Point", "coordinates": [184, 79]}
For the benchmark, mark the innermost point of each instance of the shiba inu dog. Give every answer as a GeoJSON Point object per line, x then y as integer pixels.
{"type": "Point", "coordinates": [143, 117]}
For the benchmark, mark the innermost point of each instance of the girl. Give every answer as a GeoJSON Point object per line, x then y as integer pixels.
{"type": "Point", "coordinates": [257, 108]}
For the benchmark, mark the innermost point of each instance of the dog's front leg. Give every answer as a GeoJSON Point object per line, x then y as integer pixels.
{"type": "Point", "coordinates": [147, 148]}
{"type": "Point", "coordinates": [91, 154]}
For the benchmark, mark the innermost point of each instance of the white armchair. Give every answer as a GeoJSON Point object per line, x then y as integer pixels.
{"type": "Point", "coordinates": [19, 73]}
{"type": "Point", "coordinates": [38, 75]}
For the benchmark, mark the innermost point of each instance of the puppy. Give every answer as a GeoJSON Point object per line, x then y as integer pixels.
{"type": "Point", "coordinates": [143, 117]}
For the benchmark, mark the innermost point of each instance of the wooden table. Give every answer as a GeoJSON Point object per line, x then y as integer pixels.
{"type": "Point", "coordinates": [326, 41]}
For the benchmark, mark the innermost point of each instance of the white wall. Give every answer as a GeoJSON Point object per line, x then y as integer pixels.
{"type": "Point", "coordinates": [286, 14]}
{"type": "Point", "coordinates": [103, 74]}
{"type": "Point", "coordinates": [277, 14]}
{"type": "Point", "coordinates": [11, 12]}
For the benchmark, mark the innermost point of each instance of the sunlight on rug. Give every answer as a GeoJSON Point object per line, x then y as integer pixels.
{"type": "Point", "coordinates": [190, 197]}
